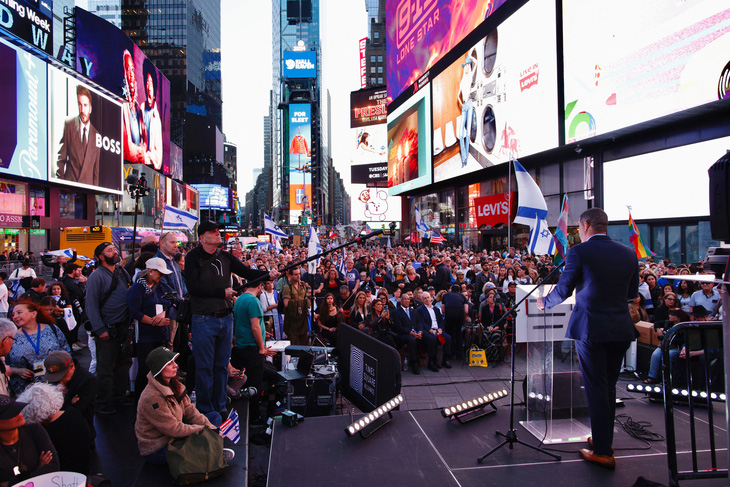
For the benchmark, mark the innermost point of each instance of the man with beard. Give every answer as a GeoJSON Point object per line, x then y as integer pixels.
{"type": "Point", "coordinates": [106, 308]}
{"type": "Point", "coordinates": [78, 158]}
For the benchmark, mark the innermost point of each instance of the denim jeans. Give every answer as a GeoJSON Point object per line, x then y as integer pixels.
{"type": "Point", "coordinates": [467, 109]}
{"type": "Point", "coordinates": [212, 340]}
{"type": "Point", "coordinates": [656, 361]}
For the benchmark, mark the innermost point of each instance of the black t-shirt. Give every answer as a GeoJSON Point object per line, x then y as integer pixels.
{"type": "Point", "coordinates": [32, 440]}
{"type": "Point", "coordinates": [72, 439]}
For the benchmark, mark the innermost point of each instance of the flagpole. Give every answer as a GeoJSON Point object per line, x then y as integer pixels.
{"type": "Point", "coordinates": [509, 195]}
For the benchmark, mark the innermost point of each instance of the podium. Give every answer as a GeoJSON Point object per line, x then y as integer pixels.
{"type": "Point", "coordinates": [557, 409]}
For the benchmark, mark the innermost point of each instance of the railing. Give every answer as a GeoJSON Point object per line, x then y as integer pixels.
{"type": "Point", "coordinates": [40, 269]}
{"type": "Point", "coordinates": [701, 392]}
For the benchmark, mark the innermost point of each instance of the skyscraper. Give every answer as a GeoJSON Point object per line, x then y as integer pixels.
{"type": "Point", "coordinates": [375, 45]}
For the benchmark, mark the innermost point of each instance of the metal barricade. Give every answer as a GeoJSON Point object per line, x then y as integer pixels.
{"type": "Point", "coordinates": [698, 380]}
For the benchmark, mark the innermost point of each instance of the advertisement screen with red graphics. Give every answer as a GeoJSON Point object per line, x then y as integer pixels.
{"type": "Point", "coordinates": [300, 159]}
{"type": "Point", "coordinates": [495, 209]}
{"type": "Point", "coordinates": [420, 32]}
{"type": "Point", "coordinates": [368, 116]}
{"type": "Point", "coordinates": [627, 62]}
{"type": "Point", "coordinates": [499, 99]}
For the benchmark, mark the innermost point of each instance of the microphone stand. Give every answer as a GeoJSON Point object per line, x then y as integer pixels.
{"type": "Point", "coordinates": [510, 438]}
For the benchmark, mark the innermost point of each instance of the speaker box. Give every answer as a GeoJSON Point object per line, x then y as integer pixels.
{"type": "Point", "coordinates": [312, 397]}
{"type": "Point", "coordinates": [719, 174]}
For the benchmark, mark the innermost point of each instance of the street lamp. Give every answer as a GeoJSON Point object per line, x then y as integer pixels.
{"type": "Point", "coordinates": [137, 187]}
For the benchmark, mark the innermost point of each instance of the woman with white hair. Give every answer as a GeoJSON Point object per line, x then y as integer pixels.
{"type": "Point", "coordinates": [67, 430]}
{"type": "Point", "coordinates": [7, 338]}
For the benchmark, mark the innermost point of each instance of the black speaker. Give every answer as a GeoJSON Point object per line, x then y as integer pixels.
{"type": "Point", "coordinates": [312, 397]}
{"type": "Point", "coordinates": [719, 174]}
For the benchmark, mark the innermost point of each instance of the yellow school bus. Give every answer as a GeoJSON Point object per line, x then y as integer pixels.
{"type": "Point", "coordinates": [85, 239]}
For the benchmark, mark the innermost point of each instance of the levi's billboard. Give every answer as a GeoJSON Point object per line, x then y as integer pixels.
{"type": "Point", "coordinates": [495, 209]}
{"type": "Point", "coordinates": [300, 64]}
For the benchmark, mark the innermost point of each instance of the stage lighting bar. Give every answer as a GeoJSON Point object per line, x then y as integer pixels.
{"type": "Point", "coordinates": [657, 389]}
{"type": "Point", "coordinates": [472, 409]}
{"type": "Point", "coordinates": [375, 419]}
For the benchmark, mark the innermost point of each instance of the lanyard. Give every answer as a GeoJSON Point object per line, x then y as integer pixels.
{"type": "Point", "coordinates": [37, 346]}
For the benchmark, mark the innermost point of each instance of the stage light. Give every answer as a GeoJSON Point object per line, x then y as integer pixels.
{"type": "Point", "coordinates": [374, 420]}
{"type": "Point", "coordinates": [472, 409]}
{"type": "Point", "coordinates": [656, 389]}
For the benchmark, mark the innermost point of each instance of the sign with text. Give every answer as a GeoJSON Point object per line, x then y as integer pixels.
{"type": "Point", "coordinates": [369, 173]}
{"type": "Point", "coordinates": [363, 63]}
{"type": "Point", "coordinates": [300, 159]}
{"type": "Point", "coordinates": [495, 209]}
{"type": "Point", "coordinates": [300, 64]}
{"type": "Point", "coordinates": [29, 20]}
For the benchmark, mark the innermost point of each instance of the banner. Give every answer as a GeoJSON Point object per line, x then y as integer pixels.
{"type": "Point", "coordinates": [495, 209]}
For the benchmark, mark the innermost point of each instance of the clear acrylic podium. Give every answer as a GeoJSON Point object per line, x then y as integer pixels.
{"type": "Point", "coordinates": [556, 406]}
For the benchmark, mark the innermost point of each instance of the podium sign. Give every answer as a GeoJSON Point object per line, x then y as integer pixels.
{"type": "Point", "coordinates": [534, 325]}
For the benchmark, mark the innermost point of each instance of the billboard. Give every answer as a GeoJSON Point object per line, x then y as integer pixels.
{"type": "Point", "coordinates": [108, 57]}
{"type": "Point", "coordinates": [29, 20]}
{"type": "Point", "coordinates": [300, 64]}
{"type": "Point", "coordinates": [300, 159]}
{"type": "Point", "coordinates": [409, 144]}
{"type": "Point", "coordinates": [499, 99]}
{"type": "Point", "coordinates": [420, 33]}
{"type": "Point", "coordinates": [212, 63]}
{"type": "Point", "coordinates": [368, 117]}
{"type": "Point", "coordinates": [375, 205]}
{"type": "Point", "coordinates": [621, 70]}
{"type": "Point", "coordinates": [23, 118]}
{"type": "Point", "coordinates": [176, 162]}
{"type": "Point", "coordinates": [85, 130]}
{"type": "Point", "coordinates": [213, 196]}
{"type": "Point", "coordinates": [361, 45]}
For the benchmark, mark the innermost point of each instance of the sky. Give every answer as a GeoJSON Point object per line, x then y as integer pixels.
{"type": "Point", "coordinates": [246, 70]}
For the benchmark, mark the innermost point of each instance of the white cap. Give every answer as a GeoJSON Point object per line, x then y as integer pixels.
{"type": "Point", "coordinates": [158, 264]}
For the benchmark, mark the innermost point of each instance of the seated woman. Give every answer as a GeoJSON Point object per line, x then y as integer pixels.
{"type": "Point", "coordinates": [164, 410]}
{"type": "Point", "coordinates": [380, 324]}
{"type": "Point", "coordinates": [329, 318]}
{"type": "Point", "coordinates": [28, 452]}
{"type": "Point", "coordinates": [33, 342]}
{"type": "Point", "coordinates": [67, 429]}
{"type": "Point", "coordinates": [359, 311]}
{"type": "Point", "coordinates": [332, 283]}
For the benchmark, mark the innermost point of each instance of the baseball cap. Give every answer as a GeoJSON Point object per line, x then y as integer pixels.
{"type": "Point", "coordinates": [57, 363]}
{"type": "Point", "coordinates": [9, 407]}
{"type": "Point", "coordinates": [100, 248]}
{"type": "Point", "coordinates": [207, 226]}
{"type": "Point", "coordinates": [158, 264]}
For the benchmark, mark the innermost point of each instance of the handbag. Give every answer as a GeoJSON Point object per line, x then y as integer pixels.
{"type": "Point", "coordinates": [196, 458]}
{"type": "Point", "coordinates": [477, 357]}
{"type": "Point", "coordinates": [184, 311]}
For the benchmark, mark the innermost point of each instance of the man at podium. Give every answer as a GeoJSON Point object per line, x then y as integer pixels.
{"type": "Point", "coordinates": [605, 275]}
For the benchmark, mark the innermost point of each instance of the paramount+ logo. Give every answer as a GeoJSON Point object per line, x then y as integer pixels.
{"type": "Point", "coordinates": [299, 64]}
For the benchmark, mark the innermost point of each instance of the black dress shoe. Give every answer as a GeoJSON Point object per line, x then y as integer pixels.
{"type": "Point", "coordinates": [416, 369]}
{"type": "Point", "coordinates": [432, 366]}
{"type": "Point", "coordinates": [446, 364]}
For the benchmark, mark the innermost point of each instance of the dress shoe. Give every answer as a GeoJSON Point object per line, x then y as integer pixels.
{"type": "Point", "coordinates": [433, 367]}
{"type": "Point", "coordinates": [590, 442]}
{"type": "Point", "coordinates": [446, 364]}
{"type": "Point", "coordinates": [416, 369]}
{"type": "Point", "coordinates": [602, 460]}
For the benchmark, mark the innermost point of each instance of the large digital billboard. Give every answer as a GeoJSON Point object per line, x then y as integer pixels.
{"type": "Point", "coordinates": [409, 144]}
{"type": "Point", "coordinates": [498, 100]}
{"type": "Point", "coordinates": [374, 205]}
{"type": "Point", "coordinates": [108, 57]}
{"type": "Point", "coordinates": [23, 118]}
{"type": "Point", "coordinates": [84, 133]}
{"type": "Point", "coordinates": [420, 32]}
{"type": "Point", "coordinates": [213, 196]}
{"type": "Point", "coordinates": [368, 117]}
{"type": "Point", "coordinates": [300, 159]}
{"type": "Point", "coordinates": [300, 64]}
{"type": "Point", "coordinates": [627, 62]}
{"type": "Point", "coordinates": [29, 20]}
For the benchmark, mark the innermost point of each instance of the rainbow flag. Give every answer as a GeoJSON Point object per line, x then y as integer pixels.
{"type": "Point", "coordinates": [639, 246]}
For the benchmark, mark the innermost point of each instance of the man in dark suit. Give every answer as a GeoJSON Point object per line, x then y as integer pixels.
{"type": "Point", "coordinates": [78, 159]}
{"type": "Point", "coordinates": [442, 279]}
{"type": "Point", "coordinates": [406, 324]}
{"type": "Point", "coordinates": [58, 266]}
{"type": "Point", "coordinates": [431, 324]}
{"type": "Point", "coordinates": [605, 275]}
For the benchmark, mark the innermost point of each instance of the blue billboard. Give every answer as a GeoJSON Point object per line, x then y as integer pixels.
{"type": "Point", "coordinates": [300, 64]}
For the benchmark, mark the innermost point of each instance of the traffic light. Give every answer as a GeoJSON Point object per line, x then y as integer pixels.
{"type": "Point", "coordinates": [300, 220]}
{"type": "Point", "coordinates": [319, 222]}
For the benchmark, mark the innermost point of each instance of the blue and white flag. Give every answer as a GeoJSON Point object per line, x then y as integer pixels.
{"type": "Point", "coordinates": [420, 225]}
{"type": "Point", "coordinates": [343, 266]}
{"type": "Point", "coordinates": [541, 239]}
{"type": "Point", "coordinates": [530, 203]}
{"type": "Point", "coordinates": [273, 228]}
{"type": "Point", "coordinates": [231, 428]}
{"type": "Point", "coordinates": [68, 253]}
{"type": "Point", "coordinates": [178, 219]}
{"type": "Point", "coordinates": [314, 248]}
{"type": "Point", "coordinates": [277, 243]}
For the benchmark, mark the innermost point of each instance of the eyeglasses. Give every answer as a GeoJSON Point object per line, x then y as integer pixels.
{"type": "Point", "coordinates": [12, 338]}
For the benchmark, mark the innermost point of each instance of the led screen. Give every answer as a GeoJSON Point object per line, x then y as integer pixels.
{"type": "Point", "coordinates": [499, 99]}
{"type": "Point", "coordinates": [627, 62]}
{"type": "Point", "coordinates": [374, 205]}
{"type": "Point", "coordinates": [23, 137]}
{"type": "Point", "coordinates": [300, 64]}
{"type": "Point", "coordinates": [368, 116]}
{"type": "Point", "coordinates": [85, 130]}
{"type": "Point", "coordinates": [679, 185]}
{"type": "Point", "coordinates": [300, 159]}
{"type": "Point", "coordinates": [29, 20]}
{"type": "Point", "coordinates": [212, 196]}
{"type": "Point", "coordinates": [420, 32]}
{"type": "Point", "coordinates": [108, 57]}
{"type": "Point", "coordinates": [409, 144]}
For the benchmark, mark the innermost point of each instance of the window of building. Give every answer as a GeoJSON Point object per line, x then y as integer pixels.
{"type": "Point", "coordinates": [380, 81]}
{"type": "Point", "coordinates": [380, 69]}
{"type": "Point", "coordinates": [372, 59]}
{"type": "Point", "coordinates": [376, 35]}
{"type": "Point", "coordinates": [372, 69]}
{"type": "Point", "coordinates": [380, 59]}
{"type": "Point", "coordinates": [372, 81]}
{"type": "Point", "coordinates": [73, 205]}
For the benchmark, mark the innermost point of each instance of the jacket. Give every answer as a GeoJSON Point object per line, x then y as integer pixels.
{"type": "Point", "coordinates": [160, 417]}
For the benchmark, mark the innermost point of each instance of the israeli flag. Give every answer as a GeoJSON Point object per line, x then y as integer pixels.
{"type": "Point", "coordinates": [541, 239]}
{"type": "Point", "coordinates": [420, 225]}
{"type": "Point", "coordinates": [277, 242]}
{"type": "Point", "coordinates": [273, 228]}
{"type": "Point", "coordinates": [68, 253]}
{"type": "Point", "coordinates": [530, 204]}
{"type": "Point", "coordinates": [178, 219]}
{"type": "Point", "coordinates": [231, 427]}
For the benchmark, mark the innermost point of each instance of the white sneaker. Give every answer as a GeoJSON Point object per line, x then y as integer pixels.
{"type": "Point", "coordinates": [228, 455]}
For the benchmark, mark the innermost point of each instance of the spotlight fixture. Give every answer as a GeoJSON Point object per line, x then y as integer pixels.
{"type": "Point", "coordinates": [656, 389]}
{"type": "Point", "coordinates": [375, 419]}
{"type": "Point", "coordinates": [472, 409]}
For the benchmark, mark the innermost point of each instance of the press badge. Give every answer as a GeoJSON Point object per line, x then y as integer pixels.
{"type": "Point", "coordinates": [38, 367]}
{"type": "Point", "coordinates": [16, 470]}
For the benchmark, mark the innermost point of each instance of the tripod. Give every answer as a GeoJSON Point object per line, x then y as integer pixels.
{"type": "Point", "coordinates": [510, 438]}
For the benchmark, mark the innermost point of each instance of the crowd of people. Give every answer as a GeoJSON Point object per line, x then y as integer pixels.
{"type": "Point", "coordinates": [196, 319]}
